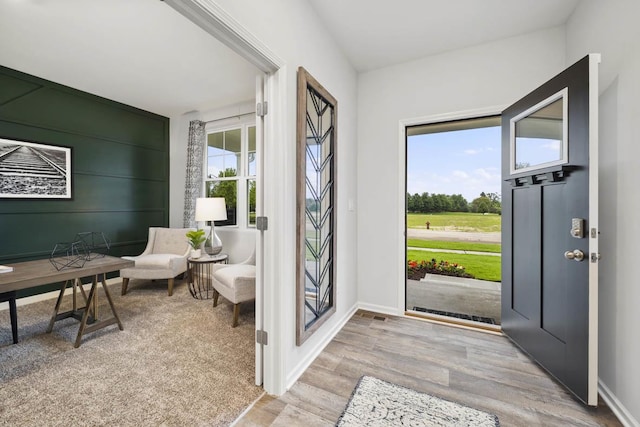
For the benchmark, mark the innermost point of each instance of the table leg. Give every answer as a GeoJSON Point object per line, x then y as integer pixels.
{"type": "Point", "coordinates": [93, 294]}
{"type": "Point", "coordinates": [85, 314]}
{"type": "Point", "coordinates": [113, 308]}
{"type": "Point", "coordinates": [74, 285]}
{"type": "Point", "coordinates": [94, 308]}
{"type": "Point", "coordinates": [13, 312]}
{"type": "Point", "coordinates": [95, 299]}
{"type": "Point", "coordinates": [190, 279]}
{"type": "Point", "coordinates": [208, 276]}
{"type": "Point", "coordinates": [57, 307]}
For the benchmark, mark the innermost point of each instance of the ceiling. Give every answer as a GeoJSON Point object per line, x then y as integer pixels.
{"type": "Point", "coordinates": [381, 33]}
{"type": "Point", "coordinates": [102, 46]}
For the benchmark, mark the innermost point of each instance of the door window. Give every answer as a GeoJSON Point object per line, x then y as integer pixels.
{"type": "Point", "coordinates": [539, 135]}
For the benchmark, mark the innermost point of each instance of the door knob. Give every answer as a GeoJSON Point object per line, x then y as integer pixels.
{"type": "Point", "coordinates": [576, 255]}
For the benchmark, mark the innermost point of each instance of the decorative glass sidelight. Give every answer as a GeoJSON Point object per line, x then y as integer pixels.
{"type": "Point", "coordinates": [316, 196]}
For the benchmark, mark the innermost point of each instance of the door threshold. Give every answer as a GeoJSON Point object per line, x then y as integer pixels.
{"type": "Point", "coordinates": [455, 322]}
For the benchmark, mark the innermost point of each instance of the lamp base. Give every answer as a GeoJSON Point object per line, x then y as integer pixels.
{"type": "Point", "coordinates": [213, 245]}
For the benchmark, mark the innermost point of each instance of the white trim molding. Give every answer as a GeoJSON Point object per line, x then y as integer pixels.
{"type": "Point", "coordinates": [275, 243]}
{"type": "Point", "coordinates": [315, 352]}
{"type": "Point", "coordinates": [402, 185]}
{"type": "Point", "coordinates": [216, 21]}
{"type": "Point", "coordinates": [594, 178]}
{"type": "Point", "coordinates": [209, 16]}
{"type": "Point", "coordinates": [616, 406]}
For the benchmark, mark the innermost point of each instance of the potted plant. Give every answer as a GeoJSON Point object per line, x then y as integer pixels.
{"type": "Point", "coordinates": [195, 239]}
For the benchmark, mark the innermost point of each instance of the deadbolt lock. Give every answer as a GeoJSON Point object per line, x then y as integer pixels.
{"type": "Point", "coordinates": [576, 255]}
{"type": "Point", "coordinates": [577, 228]}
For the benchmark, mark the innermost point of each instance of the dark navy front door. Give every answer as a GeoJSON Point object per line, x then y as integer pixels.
{"type": "Point", "coordinates": [550, 230]}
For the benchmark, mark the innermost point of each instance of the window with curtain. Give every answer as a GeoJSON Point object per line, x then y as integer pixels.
{"type": "Point", "coordinates": [230, 166]}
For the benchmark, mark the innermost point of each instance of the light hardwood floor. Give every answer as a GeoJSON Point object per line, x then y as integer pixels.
{"type": "Point", "coordinates": [480, 370]}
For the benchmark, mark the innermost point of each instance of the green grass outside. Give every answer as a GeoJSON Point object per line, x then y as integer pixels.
{"type": "Point", "coordinates": [456, 221]}
{"type": "Point", "coordinates": [460, 246]}
{"type": "Point", "coordinates": [482, 267]}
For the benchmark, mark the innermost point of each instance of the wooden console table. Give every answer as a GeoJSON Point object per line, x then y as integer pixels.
{"type": "Point", "coordinates": [30, 274]}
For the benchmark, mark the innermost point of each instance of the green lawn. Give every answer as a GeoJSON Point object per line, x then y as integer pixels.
{"type": "Point", "coordinates": [456, 221]}
{"type": "Point", "coordinates": [460, 246]}
{"type": "Point", "coordinates": [482, 267]}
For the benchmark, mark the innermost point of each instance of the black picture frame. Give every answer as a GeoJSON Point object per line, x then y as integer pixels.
{"type": "Point", "coordinates": [33, 170]}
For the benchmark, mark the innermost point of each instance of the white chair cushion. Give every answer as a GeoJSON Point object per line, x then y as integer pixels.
{"type": "Point", "coordinates": [154, 260]}
{"type": "Point", "coordinates": [237, 283]}
{"type": "Point", "coordinates": [229, 275]}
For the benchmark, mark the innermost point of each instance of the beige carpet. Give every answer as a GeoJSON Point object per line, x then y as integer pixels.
{"type": "Point", "coordinates": [178, 362]}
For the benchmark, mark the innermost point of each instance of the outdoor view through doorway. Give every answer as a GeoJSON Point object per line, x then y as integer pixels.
{"type": "Point", "coordinates": [453, 220]}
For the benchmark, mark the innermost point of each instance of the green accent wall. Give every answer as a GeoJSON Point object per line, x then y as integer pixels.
{"type": "Point", "coordinates": [119, 163]}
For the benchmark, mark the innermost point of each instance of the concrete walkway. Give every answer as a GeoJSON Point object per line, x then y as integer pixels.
{"type": "Point", "coordinates": [455, 236]}
{"type": "Point", "coordinates": [455, 295]}
{"type": "Point", "coordinates": [454, 251]}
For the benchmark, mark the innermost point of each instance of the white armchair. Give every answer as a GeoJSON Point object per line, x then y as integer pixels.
{"type": "Point", "coordinates": [235, 282]}
{"type": "Point", "coordinates": [165, 257]}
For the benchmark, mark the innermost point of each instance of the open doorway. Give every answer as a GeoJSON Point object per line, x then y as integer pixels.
{"type": "Point", "coordinates": [453, 221]}
{"type": "Point", "coordinates": [212, 19]}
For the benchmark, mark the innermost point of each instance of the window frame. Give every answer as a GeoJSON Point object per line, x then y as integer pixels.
{"type": "Point", "coordinates": [242, 178]}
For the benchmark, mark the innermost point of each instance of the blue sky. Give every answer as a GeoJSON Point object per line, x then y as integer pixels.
{"type": "Point", "coordinates": [463, 162]}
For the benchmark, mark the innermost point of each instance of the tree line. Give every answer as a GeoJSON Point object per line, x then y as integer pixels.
{"type": "Point", "coordinates": [435, 203]}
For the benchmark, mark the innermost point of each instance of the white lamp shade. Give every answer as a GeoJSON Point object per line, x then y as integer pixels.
{"type": "Point", "coordinates": [211, 209]}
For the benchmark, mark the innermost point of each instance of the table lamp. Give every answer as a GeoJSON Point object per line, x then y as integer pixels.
{"type": "Point", "coordinates": [211, 209]}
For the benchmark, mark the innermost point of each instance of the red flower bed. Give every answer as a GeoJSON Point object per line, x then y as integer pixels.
{"type": "Point", "coordinates": [416, 270]}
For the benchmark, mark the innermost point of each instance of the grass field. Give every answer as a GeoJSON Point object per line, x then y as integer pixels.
{"type": "Point", "coordinates": [456, 221]}
{"type": "Point", "coordinates": [460, 246]}
{"type": "Point", "coordinates": [482, 267]}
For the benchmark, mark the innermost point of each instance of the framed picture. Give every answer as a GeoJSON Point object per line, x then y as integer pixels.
{"type": "Point", "coordinates": [32, 170]}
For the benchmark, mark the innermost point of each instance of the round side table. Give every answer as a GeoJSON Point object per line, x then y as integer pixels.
{"type": "Point", "coordinates": [199, 271]}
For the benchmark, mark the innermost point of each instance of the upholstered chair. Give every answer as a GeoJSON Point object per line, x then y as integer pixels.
{"type": "Point", "coordinates": [165, 257]}
{"type": "Point", "coordinates": [235, 282]}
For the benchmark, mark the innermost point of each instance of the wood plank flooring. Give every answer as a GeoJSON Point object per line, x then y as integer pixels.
{"type": "Point", "coordinates": [481, 370]}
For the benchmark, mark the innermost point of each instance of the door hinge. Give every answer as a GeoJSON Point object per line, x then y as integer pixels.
{"type": "Point", "coordinates": [262, 108]}
{"type": "Point", "coordinates": [262, 223]}
{"type": "Point", "coordinates": [262, 337]}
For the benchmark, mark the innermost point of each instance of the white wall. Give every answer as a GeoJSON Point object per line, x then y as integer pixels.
{"type": "Point", "coordinates": [493, 74]}
{"type": "Point", "coordinates": [291, 30]}
{"type": "Point", "coordinates": [611, 28]}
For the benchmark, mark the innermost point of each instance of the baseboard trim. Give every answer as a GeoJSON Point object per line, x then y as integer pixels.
{"type": "Point", "coordinates": [616, 406]}
{"type": "Point", "coordinates": [315, 352]}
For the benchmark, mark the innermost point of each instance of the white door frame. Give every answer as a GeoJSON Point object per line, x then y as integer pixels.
{"type": "Point", "coordinates": [402, 185]}
{"type": "Point", "coordinates": [214, 20]}
{"type": "Point", "coordinates": [261, 95]}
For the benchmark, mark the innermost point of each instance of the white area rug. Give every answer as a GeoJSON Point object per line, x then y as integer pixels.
{"type": "Point", "coordinates": [375, 402]}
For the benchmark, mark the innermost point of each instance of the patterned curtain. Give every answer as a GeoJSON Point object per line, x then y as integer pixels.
{"type": "Point", "coordinates": [193, 185]}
